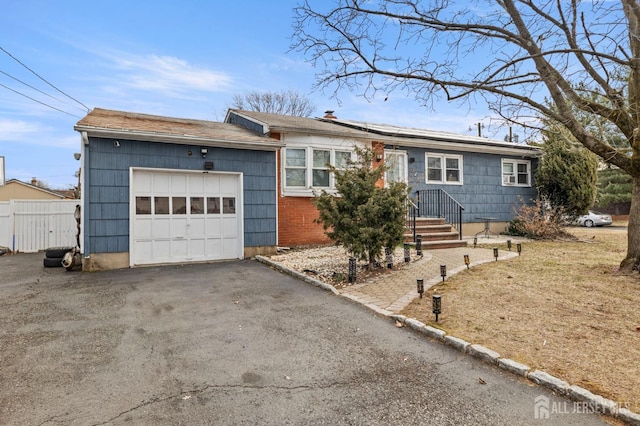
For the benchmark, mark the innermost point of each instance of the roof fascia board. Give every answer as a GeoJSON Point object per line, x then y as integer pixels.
{"type": "Point", "coordinates": [270, 145]}
{"type": "Point", "coordinates": [464, 147]}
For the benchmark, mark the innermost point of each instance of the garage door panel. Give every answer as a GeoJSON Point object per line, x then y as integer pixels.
{"type": "Point", "coordinates": [143, 183]}
{"type": "Point", "coordinates": [230, 246]}
{"type": "Point", "coordinates": [161, 228]}
{"type": "Point", "coordinates": [214, 227]}
{"type": "Point", "coordinates": [212, 185]}
{"type": "Point", "coordinates": [161, 183]}
{"type": "Point", "coordinates": [179, 228]}
{"type": "Point", "coordinates": [214, 247]}
{"type": "Point", "coordinates": [196, 184]}
{"type": "Point", "coordinates": [197, 249]}
{"type": "Point", "coordinates": [229, 226]}
{"type": "Point", "coordinates": [179, 249]}
{"type": "Point", "coordinates": [185, 216]}
{"type": "Point", "coordinates": [197, 227]}
{"type": "Point", "coordinates": [144, 229]}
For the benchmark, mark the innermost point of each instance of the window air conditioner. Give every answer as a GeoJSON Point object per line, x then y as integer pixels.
{"type": "Point", "coordinates": [510, 179]}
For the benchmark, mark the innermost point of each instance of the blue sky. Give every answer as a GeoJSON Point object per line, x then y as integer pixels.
{"type": "Point", "coordinates": [182, 59]}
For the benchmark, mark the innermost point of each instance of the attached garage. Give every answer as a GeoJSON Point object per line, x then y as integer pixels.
{"type": "Point", "coordinates": [159, 190]}
{"type": "Point", "coordinates": [184, 216]}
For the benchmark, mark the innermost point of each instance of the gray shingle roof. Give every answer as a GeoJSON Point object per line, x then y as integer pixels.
{"type": "Point", "coordinates": [105, 122]}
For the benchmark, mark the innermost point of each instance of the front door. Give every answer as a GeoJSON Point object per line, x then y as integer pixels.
{"type": "Point", "coordinates": [396, 162]}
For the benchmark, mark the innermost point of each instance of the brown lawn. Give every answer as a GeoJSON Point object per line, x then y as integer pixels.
{"type": "Point", "coordinates": [561, 307]}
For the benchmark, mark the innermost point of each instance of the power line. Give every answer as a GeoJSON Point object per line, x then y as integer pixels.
{"type": "Point", "coordinates": [41, 103]}
{"type": "Point", "coordinates": [36, 89]}
{"type": "Point", "coordinates": [43, 79]}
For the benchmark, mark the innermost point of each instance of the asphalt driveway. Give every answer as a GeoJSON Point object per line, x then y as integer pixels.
{"type": "Point", "coordinates": [229, 343]}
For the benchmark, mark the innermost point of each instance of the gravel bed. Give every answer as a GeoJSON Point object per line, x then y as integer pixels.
{"type": "Point", "coordinates": [330, 264]}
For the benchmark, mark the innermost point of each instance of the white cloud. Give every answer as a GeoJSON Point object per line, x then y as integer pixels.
{"type": "Point", "coordinates": [11, 130]}
{"type": "Point", "coordinates": [167, 74]}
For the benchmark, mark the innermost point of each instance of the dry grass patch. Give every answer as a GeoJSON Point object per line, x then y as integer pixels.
{"type": "Point", "coordinates": [561, 307]}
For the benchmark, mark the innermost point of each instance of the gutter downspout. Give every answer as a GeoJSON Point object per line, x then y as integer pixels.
{"type": "Point", "coordinates": [84, 187]}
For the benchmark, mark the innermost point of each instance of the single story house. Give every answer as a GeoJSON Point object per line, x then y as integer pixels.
{"type": "Point", "coordinates": [14, 189]}
{"type": "Point", "coordinates": [172, 190]}
{"type": "Point", "coordinates": [487, 178]}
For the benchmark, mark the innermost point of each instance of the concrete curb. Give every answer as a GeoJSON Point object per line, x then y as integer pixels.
{"type": "Point", "coordinates": [593, 403]}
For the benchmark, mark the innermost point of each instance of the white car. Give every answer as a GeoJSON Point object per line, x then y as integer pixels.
{"type": "Point", "coordinates": [594, 219]}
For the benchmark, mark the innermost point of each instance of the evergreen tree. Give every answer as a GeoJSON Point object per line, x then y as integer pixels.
{"type": "Point", "coordinates": [614, 191]}
{"type": "Point", "coordinates": [365, 218]}
{"type": "Point", "coordinates": [567, 172]}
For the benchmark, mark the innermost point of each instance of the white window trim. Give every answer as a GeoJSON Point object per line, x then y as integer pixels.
{"type": "Point", "coordinates": [512, 180]}
{"type": "Point", "coordinates": [310, 189]}
{"type": "Point", "coordinates": [403, 155]}
{"type": "Point", "coordinates": [443, 162]}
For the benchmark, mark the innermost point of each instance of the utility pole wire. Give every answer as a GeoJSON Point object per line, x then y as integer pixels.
{"type": "Point", "coordinates": [35, 100]}
{"type": "Point", "coordinates": [36, 89]}
{"type": "Point", "coordinates": [43, 79]}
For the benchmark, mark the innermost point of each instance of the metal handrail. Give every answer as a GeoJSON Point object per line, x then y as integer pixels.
{"type": "Point", "coordinates": [439, 203]}
{"type": "Point", "coordinates": [410, 218]}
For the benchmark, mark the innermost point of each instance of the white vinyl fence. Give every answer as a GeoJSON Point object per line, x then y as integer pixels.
{"type": "Point", "coordinates": [33, 225]}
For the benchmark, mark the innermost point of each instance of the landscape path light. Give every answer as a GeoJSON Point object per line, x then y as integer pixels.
{"type": "Point", "coordinates": [436, 304]}
{"type": "Point", "coordinates": [407, 253]}
{"type": "Point", "coordinates": [509, 244]}
{"type": "Point", "coordinates": [419, 245]}
{"type": "Point", "coordinates": [519, 248]}
{"type": "Point", "coordinates": [420, 285]}
{"type": "Point", "coordinates": [495, 253]}
{"type": "Point", "coordinates": [352, 269]}
{"type": "Point", "coordinates": [443, 271]}
{"type": "Point", "coordinates": [466, 260]}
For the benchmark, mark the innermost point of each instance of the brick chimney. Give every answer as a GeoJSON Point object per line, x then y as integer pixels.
{"type": "Point", "coordinates": [34, 181]}
{"type": "Point", "coordinates": [329, 115]}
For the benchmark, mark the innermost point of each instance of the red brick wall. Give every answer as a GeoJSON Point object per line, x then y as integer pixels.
{"type": "Point", "coordinates": [295, 222]}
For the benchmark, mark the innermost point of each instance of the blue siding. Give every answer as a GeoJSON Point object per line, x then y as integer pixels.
{"type": "Point", "coordinates": [107, 212]}
{"type": "Point", "coordinates": [481, 193]}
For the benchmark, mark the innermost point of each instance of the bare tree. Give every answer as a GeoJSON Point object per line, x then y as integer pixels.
{"type": "Point", "coordinates": [287, 102]}
{"type": "Point", "coordinates": [526, 59]}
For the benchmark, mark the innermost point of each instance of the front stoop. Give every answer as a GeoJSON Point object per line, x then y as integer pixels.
{"type": "Point", "coordinates": [436, 234]}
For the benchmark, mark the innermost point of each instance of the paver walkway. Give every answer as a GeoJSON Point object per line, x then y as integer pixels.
{"type": "Point", "coordinates": [394, 291]}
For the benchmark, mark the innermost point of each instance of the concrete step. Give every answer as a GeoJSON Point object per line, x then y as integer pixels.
{"type": "Point", "coordinates": [442, 244]}
{"type": "Point", "coordinates": [434, 236]}
{"type": "Point", "coordinates": [430, 229]}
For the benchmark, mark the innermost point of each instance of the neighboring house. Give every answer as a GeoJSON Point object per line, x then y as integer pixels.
{"type": "Point", "coordinates": [170, 190]}
{"type": "Point", "coordinates": [488, 178]}
{"type": "Point", "coordinates": [18, 190]}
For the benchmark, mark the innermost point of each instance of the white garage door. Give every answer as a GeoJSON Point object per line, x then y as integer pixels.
{"type": "Point", "coordinates": [185, 216]}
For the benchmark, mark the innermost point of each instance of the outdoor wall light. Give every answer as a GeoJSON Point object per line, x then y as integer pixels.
{"type": "Point", "coordinates": [352, 269]}
{"type": "Point", "coordinates": [420, 284]}
{"type": "Point", "coordinates": [509, 244]}
{"type": "Point", "coordinates": [519, 248]}
{"type": "Point", "coordinates": [466, 260]}
{"type": "Point", "coordinates": [76, 155]}
{"type": "Point", "coordinates": [204, 152]}
{"type": "Point", "coordinates": [116, 143]}
{"type": "Point", "coordinates": [495, 253]}
{"type": "Point", "coordinates": [443, 271]}
{"type": "Point", "coordinates": [436, 304]}
{"type": "Point", "coordinates": [378, 157]}
{"type": "Point", "coordinates": [407, 253]}
{"type": "Point", "coordinates": [419, 245]}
